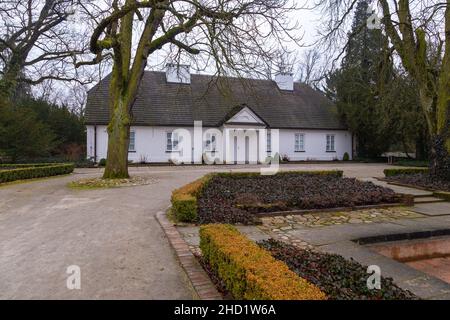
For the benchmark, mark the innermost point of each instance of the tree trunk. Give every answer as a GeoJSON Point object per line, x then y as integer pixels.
{"type": "Point", "coordinates": [118, 139]}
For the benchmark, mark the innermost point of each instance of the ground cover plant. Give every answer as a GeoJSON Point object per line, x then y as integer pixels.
{"type": "Point", "coordinates": [423, 180]}
{"type": "Point", "coordinates": [338, 278]}
{"type": "Point", "coordinates": [237, 198]}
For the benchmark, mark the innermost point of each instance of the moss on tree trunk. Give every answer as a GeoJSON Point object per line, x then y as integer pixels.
{"type": "Point", "coordinates": [118, 135]}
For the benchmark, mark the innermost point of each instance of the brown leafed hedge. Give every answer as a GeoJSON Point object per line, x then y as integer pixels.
{"type": "Point", "coordinates": [395, 172]}
{"type": "Point", "coordinates": [34, 171]}
{"type": "Point", "coordinates": [248, 271]}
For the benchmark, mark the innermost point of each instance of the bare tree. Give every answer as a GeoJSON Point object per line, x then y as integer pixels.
{"type": "Point", "coordinates": [234, 36]}
{"type": "Point", "coordinates": [38, 42]}
{"type": "Point", "coordinates": [310, 68]}
{"type": "Point", "coordinates": [419, 32]}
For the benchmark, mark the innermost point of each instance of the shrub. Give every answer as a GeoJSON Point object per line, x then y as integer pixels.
{"type": "Point", "coordinates": [346, 157]}
{"type": "Point", "coordinates": [339, 278]}
{"type": "Point", "coordinates": [37, 171]}
{"type": "Point", "coordinates": [184, 200]}
{"type": "Point", "coordinates": [395, 172]}
{"type": "Point", "coordinates": [102, 162]}
{"type": "Point", "coordinates": [85, 163]}
{"type": "Point", "coordinates": [442, 195]}
{"type": "Point", "coordinates": [240, 175]}
{"type": "Point", "coordinates": [26, 165]}
{"type": "Point", "coordinates": [250, 272]}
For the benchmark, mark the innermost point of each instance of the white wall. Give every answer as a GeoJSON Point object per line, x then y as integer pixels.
{"type": "Point", "coordinates": [315, 144]}
{"type": "Point", "coordinates": [150, 144]}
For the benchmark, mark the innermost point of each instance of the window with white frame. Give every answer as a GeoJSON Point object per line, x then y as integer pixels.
{"type": "Point", "coordinates": [299, 142]}
{"type": "Point", "coordinates": [172, 141]}
{"type": "Point", "coordinates": [132, 144]}
{"type": "Point", "coordinates": [269, 141]}
{"type": "Point", "coordinates": [330, 143]}
{"type": "Point", "coordinates": [211, 142]}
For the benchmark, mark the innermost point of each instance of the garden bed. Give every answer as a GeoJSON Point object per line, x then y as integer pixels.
{"type": "Point", "coordinates": [242, 198]}
{"type": "Point", "coordinates": [421, 180]}
{"type": "Point", "coordinates": [338, 278]}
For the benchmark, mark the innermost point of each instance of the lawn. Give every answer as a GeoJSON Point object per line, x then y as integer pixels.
{"type": "Point", "coordinates": [239, 198]}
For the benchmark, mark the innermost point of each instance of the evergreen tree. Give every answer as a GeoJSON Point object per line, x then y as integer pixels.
{"type": "Point", "coordinates": [358, 85]}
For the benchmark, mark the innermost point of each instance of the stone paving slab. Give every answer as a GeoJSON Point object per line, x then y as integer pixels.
{"type": "Point", "coordinates": [399, 189]}
{"type": "Point", "coordinates": [427, 199]}
{"type": "Point", "coordinates": [433, 209]}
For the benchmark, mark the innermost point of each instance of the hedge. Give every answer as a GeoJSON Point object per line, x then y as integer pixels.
{"type": "Point", "coordinates": [442, 194]}
{"type": "Point", "coordinates": [395, 172]}
{"type": "Point", "coordinates": [337, 173]}
{"type": "Point", "coordinates": [184, 199]}
{"type": "Point", "coordinates": [26, 165]}
{"type": "Point", "coordinates": [248, 271]}
{"type": "Point", "coordinates": [38, 171]}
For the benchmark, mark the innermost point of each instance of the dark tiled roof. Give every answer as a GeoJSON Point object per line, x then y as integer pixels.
{"type": "Point", "coordinates": [210, 100]}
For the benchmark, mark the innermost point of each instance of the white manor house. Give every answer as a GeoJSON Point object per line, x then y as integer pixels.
{"type": "Point", "coordinates": [230, 120]}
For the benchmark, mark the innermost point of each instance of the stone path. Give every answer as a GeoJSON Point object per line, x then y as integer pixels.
{"type": "Point", "coordinates": [433, 209]}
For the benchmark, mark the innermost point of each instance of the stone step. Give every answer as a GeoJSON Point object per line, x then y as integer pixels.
{"type": "Point", "coordinates": [427, 200]}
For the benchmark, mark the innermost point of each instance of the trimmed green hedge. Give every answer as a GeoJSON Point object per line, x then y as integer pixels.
{"type": "Point", "coordinates": [36, 171]}
{"type": "Point", "coordinates": [442, 194]}
{"type": "Point", "coordinates": [184, 199]}
{"type": "Point", "coordinates": [337, 173]}
{"type": "Point", "coordinates": [248, 271]}
{"type": "Point", "coordinates": [395, 172]}
{"type": "Point", "coordinates": [26, 165]}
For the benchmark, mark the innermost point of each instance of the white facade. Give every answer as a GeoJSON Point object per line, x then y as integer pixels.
{"type": "Point", "coordinates": [242, 139]}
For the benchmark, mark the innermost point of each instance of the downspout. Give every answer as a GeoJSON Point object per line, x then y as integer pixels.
{"type": "Point", "coordinates": [95, 143]}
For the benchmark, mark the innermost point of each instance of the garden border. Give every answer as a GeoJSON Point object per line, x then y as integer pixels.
{"type": "Point", "coordinates": [407, 203]}
{"type": "Point", "coordinates": [199, 279]}
{"type": "Point", "coordinates": [436, 193]}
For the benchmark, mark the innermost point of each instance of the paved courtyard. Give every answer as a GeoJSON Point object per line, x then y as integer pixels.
{"type": "Point", "coordinates": [112, 234]}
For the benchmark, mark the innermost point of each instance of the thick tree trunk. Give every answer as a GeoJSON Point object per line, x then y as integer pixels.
{"type": "Point", "coordinates": [118, 140]}
{"type": "Point", "coordinates": [440, 158]}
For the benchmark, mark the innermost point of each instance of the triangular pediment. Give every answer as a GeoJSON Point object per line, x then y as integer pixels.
{"type": "Point", "coordinates": [245, 115]}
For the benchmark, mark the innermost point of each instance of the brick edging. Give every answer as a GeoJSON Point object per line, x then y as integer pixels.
{"type": "Point", "coordinates": [199, 279]}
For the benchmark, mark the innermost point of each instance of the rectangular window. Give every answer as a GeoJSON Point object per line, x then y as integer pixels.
{"type": "Point", "coordinates": [330, 143]}
{"type": "Point", "coordinates": [299, 142]}
{"type": "Point", "coordinates": [211, 142]}
{"type": "Point", "coordinates": [172, 141]}
{"type": "Point", "coordinates": [269, 141]}
{"type": "Point", "coordinates": [132, 144]}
